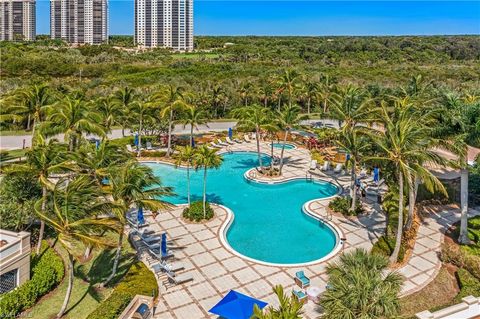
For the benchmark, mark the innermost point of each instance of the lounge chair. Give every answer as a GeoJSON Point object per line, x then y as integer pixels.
{"type": "Point", "coordinates": [362, 174]}
{"type": "Point", "coordinates": [134, 222]}
{"type": "Point", "coordinates": [300, 295]}
{"type": "Point", "coordinates": [237, 140]}
{"type": "Point", "coordinates": [167, 267]}
{"type": "Point", "coordinates": [301, 280]}
{"type": "Point", "coordinates": [229, 141]}
{"type": "Point", "coordinates": [313, 165]}
{"type": "Point", "coordinates": [220, 142]}
{"type": "Point", "coordinates": [325, 166]}
{"type": "Point", "coordinates": [179, 279]}
{"type": "Point", "coordinates": [338, 168]}
{"type": "Point", "coordinates": [213, 144]}
{"type": "Point", "coordinates": [149, 146]}
{"type": "Point", "coordinates": [159, 253]}
{"type": "Point", "coordinates": [246, 138]}
{"type": "Point", "coordinates": [129, 148]}
{"type": "Point", "coordinates": [254, 136]}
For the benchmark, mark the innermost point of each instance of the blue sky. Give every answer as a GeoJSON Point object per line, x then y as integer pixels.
{"type": "Point", "coordinates": [309, 17]}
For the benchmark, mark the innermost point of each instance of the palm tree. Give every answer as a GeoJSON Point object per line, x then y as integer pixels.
{"type": "Point", "coordinates": [310, 90]}
{"type": "Point", "coordinates": [141, 111]}
{"type": "Point", "coordinates": [326, 89]}
{"type": "Point", "coordinates": [289, 308]}
{"type": "Point", "coordinates": [288, 119]}
{"type": "Point", "coordinates": [193, 116]}
{"type": "Point", "coordinates": [361, 286]}
{"type": "Point", "coordinates": [254, 118]}
{"type": "Point", "coordinates": [289, 83]}
{"type": "Point", "coordinates": [186, 155]}
{"type": "Point", "coordinates": [206, 158]}
{"type": "Point", "coordinates": [111, 112]}
{"type": "Point", "coordinates": [73, 204]}
{"type": "Point", "coordinates": [134, 185]}
{"type": "Point", "coordinates": [124, 98]}
{"type": "Point", "coordinates": [42, 160]}
{"type": "Point", "coordinates": [173, 101]}
{"type": "Point", "coordinates": [73, 117]}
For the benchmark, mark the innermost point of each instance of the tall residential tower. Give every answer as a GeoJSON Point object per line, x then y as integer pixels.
{"type": "Point", "coordinates": [164, 23]}
{"type": "Point", "coordinates": [79, 21]}
{"type": "Point", "coordinates": [17, 20]}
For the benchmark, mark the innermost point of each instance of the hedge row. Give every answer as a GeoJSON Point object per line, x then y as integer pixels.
{"type": "Point", "coordinates": [47, 271]}
{"type": "Point", "coordinates": [139, 280]}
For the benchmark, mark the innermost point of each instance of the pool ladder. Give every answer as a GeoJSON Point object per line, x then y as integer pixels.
{"type": "Point", "coordinates": [308, 177]}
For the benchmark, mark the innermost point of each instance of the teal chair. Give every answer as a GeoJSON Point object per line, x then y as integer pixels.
{"type": "Point", "coordinates": [300, 295]}
{"type": "Point", "coordinates": [301, 280]}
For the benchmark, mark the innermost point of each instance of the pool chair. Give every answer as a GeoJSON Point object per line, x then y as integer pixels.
{"type": "Point", "coordinates": [301, 280]}
{"type": "Point", "coordinates": [229, 141]}
{"type": "Point", "coordinates": [363, 174]}
{"type": "Point", "coordinates": [163, 267]}
{"type": "Point", "coordinates": [300, 295]}
{"type": "Point", "coordinates": [246, 138]}
{"type": "Point", "coordinates": [313, 165]}
{"type": "Point", "coordinates": [236, 140]}
{"type": "Point", "coordinates": [220, 142]}
{"type": "Point", "coordinates": [129, 148]}
{"type": "Point", "coordinates": [213, 144]}
{"type": "Point", "coordinates": [149, 146]}
{"type": "Point", "coordinates": [325, 166]}
{"type": "Point", "coordinates": [338, 168]}
{"type": "Point", "coordinates": [178, 279]}
{"type": "Point", "coordinates": [159, 253]}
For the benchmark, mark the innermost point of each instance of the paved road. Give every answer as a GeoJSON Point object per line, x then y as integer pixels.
{"type": "Point", "coordinates": [16, 142]}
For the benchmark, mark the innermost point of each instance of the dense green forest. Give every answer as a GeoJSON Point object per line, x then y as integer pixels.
{"type": "Point", "coordinates": [384, 62]}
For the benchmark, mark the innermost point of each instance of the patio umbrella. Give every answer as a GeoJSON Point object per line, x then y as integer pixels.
{"type": "Point", "coordinates": [97, 144]}
{"type": "Point", "coordinates": [163, 246]}
{"type": "Point", "coordinates": [140, 218]}
{"type": "Point", "coordinates": [193, 142]}
{"type": "Point", "coordinates": [230, 133]}
{"type": "Point", "coordinates": [236, 306]}
{"type": "Point", "coordinates": [376, 174]}
{"type": "Point", "coordinates": [135, 140]}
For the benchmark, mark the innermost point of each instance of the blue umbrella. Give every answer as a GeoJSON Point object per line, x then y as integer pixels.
{"type": "Point", "coordinates": [236, 306]}
{"type": "Point", "coordinates": [97, 144]}
{"type": "Point", "coordinates": [135, 141]}
{"type": "Point", "coordinates": [230, 133]}
{"type": "Point", "coordinates": [140, 218]}
{"type": "Point", "coordinates": [376, 174]}
{"type": "Point", "coordinates": [163, 246]}
{"type": "Point", "coordinates": [193, 142]}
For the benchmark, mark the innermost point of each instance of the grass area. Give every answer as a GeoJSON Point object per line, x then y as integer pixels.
{"type": "Point", "coordinates": [437, 294]}
{"type": "Point", "coordinates": [474, 235]}
{"type": "Point", "coordinates": [85, 295]}
{"type": "Point", "coordinates": [14, 132]}
{"type": "Point", "coordinates": [12, 154]}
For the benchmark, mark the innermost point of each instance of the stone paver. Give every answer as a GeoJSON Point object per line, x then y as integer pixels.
{"type": "Point", "coordinates": [216, 269]}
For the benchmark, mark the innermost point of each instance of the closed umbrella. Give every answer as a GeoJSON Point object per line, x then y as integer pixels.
{"type": "Point", "coordinates": [140, 217]}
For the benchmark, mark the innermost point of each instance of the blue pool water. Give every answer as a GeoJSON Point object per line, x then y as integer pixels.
{"type": "Point", "coordinates": [287, 146]}
{"type": "Point", "coordinates": [269, 224]}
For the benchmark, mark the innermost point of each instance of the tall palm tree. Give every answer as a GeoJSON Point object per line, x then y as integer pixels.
{"type": "Point", "coordinates": [289, 307]}
{"type": "Point", "coordinates": [141, 111]}
{"type": "Point", "coordinates": [133, 185]}
{"type": "Point", "coordinates": [288, 119]}
{"type": "Point", "coordinates": [173, 101]}
{"type": "Point", "coordinates": [361, 286]}
{"type": "Point", "coordinates": [310, 91]}
{"type": "Point", "coordinates": [42, 160]}
{"type": "Point", "coordinates": [255, 118]}
{"type": "Point", "coordinates": [73, 117]}
{"type": "Point", "coordinates": [326, 90]}
{"type": "Point", "coordinates": [110, 111]}
{"type": "Point", "coordinates": [288, 82]}
{"type": "Point", "coordinates": [193, 116]}
{"type": "Point", "coordinates": [124, 98]}
{"type": "Point", "coordinates": [73, 214]}
{"type": "Point", "coordinates": [186, 154]}
{"type": "Point", "coordinates": [206, 158]}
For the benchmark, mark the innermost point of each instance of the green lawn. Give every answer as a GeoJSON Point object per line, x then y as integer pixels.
{"type": "Point", "coordinates": [85, 296]}
{"type": "Point", "coordinates": [12, 154]}
{"type": "Point", "coordinates": [14, 132]}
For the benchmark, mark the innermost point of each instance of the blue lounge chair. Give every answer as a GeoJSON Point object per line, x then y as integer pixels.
{"type": "Point", "coordinates": [301, 280]}
{"type": "Point", "coordinates": [300, 295]}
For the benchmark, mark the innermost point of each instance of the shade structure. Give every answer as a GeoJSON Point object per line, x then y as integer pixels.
{"type": "Point", "coordinates": [236, 305]}
{"type": "Point", "coordinates": [140, 217]}
{"type": "Point", "coordinates": [135, 140]}
{"type": "Point", "coordinates": [376, 174]}
{"type": "Point", "coordinates": [230, 132]}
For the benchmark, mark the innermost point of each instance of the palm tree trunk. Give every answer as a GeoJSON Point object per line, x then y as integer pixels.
{"type": "Point", "coordinates": [191, 135]}
{"type": "Point", "coordinates": [398, 240]}
{"type": "Point", "coordinates": [205, 192]}
{"type": "Point", "coordinates": [188, 183]}
{"type": "Point", "coordinates": [169, 142]}
{"type": "Point", "coordinates": [28, 122]}
{"type": "Point", "coordinates": [353, 193]}
{"type": "Point", "coordinates": [69, 288]}
{"type": "Point", "coordinates": [412, 198]}
{"type": "Point", "coordinates": [463, 238]}
{"type": "Point", "coordinates": [281, 153]}
{"type": "Point", "coordinates": [271, 158]}
{"type": "Point", "coordinates": [34, 124]}
{"type": "Point", "coordinates": [123, 131]}
{"type": "Point", "coordinates": [118, 253]}
{"type": "Point", "coordinates": [42, 223]}
{"type": "Point", "coordinates": [308, 105]}
{"type": "Point", "coordinates": [279, 103]}
{"type": "Point", "coordinates": [257, 137]}
{"type": "Point", "coordinates": [325, 106]}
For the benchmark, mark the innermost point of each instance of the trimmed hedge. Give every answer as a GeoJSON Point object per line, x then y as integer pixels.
{"type": "Point", "coordinates": [195, 211]}
{"type": "Point", "coordinates": [47, 270]}
{"type": "Point", "coordinates": [384, 247]}
{"type": "Point", "coordinates": [342, 205]}
{"type": "Point", "coordinates": [139, 280]}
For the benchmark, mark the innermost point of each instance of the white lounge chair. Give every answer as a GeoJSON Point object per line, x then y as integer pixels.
{"type": "Point", "coordinates": [129, 148]}
{"type": "Point", "coordinates": [338, 168]}
{"type": "Point", "coordinates": [254, 136]}
{"type": "Point", "coordinates": [325, 166]}
{"type": "Point", "coordinates": [237, 140]}
{"type": "Point", "coordinates": [149, 146]}
{"type": "Point", "coordinates": [167, 267]}
{"type": "Point", "coordinates": [363, 173]}
{"type": "Point", "coordinates": [179, 279]}
{"type": "Point", "coordinates": [246, 138]}
{"type": "Point", "coordinates": [220, 142]}
{"type": "Point", "coordinates": [213, 144]}
{"type": "Point", "coordinates": [313, 165]}
{"type": "Point", "coordinates": [229, 141]}
{"type": "Point", "coordinates": [157, 252]}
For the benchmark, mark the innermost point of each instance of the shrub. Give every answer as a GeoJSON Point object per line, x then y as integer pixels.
{"type": "Point", "coordinates": [139, 280]}
{"type": "Point", "coordinates": [469, 284]}
{"type": "Point", "coordinates": [453, 254]}
{"type": "Point", "coordinates": [384, 247]}
{"type": "Point", "coordinates": [195, 211]}
{"type": "Point", "coordinates": [153, 153]}
{"type": "Point", "coordinates": [46, 273]}
{"type": "Point", "coordinates": [342, 205]}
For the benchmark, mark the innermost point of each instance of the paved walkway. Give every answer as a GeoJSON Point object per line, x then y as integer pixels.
{"type": "Point", "coordinates": [216, 268]}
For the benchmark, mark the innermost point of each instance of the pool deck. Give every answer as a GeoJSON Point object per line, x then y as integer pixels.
{"type": "Point", "coordinates": [216, 269]}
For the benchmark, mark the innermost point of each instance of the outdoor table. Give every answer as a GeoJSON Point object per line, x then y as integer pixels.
{"type": "Point", "coordinates": [313, 293]}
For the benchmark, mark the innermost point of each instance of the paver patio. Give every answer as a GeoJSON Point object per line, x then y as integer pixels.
{"type": "Point", "coordinates": [216, 269]}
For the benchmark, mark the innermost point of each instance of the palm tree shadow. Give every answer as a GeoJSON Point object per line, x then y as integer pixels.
{"type": "Point", "coordinates": [211, 198]}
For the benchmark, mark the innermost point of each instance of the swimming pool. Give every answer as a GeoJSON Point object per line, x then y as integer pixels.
{"type": "Point", "coordinates": [269, 224]}
{"type": "Point", "coordinates": [288, 146]}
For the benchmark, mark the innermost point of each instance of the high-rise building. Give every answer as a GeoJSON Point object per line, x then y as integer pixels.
{"type": "Point", "coordinates": [164, 23]}
{"type": "Point", "coordinates": [17, 20]}
{"type": "Point", "coordinates": [79, 21]}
